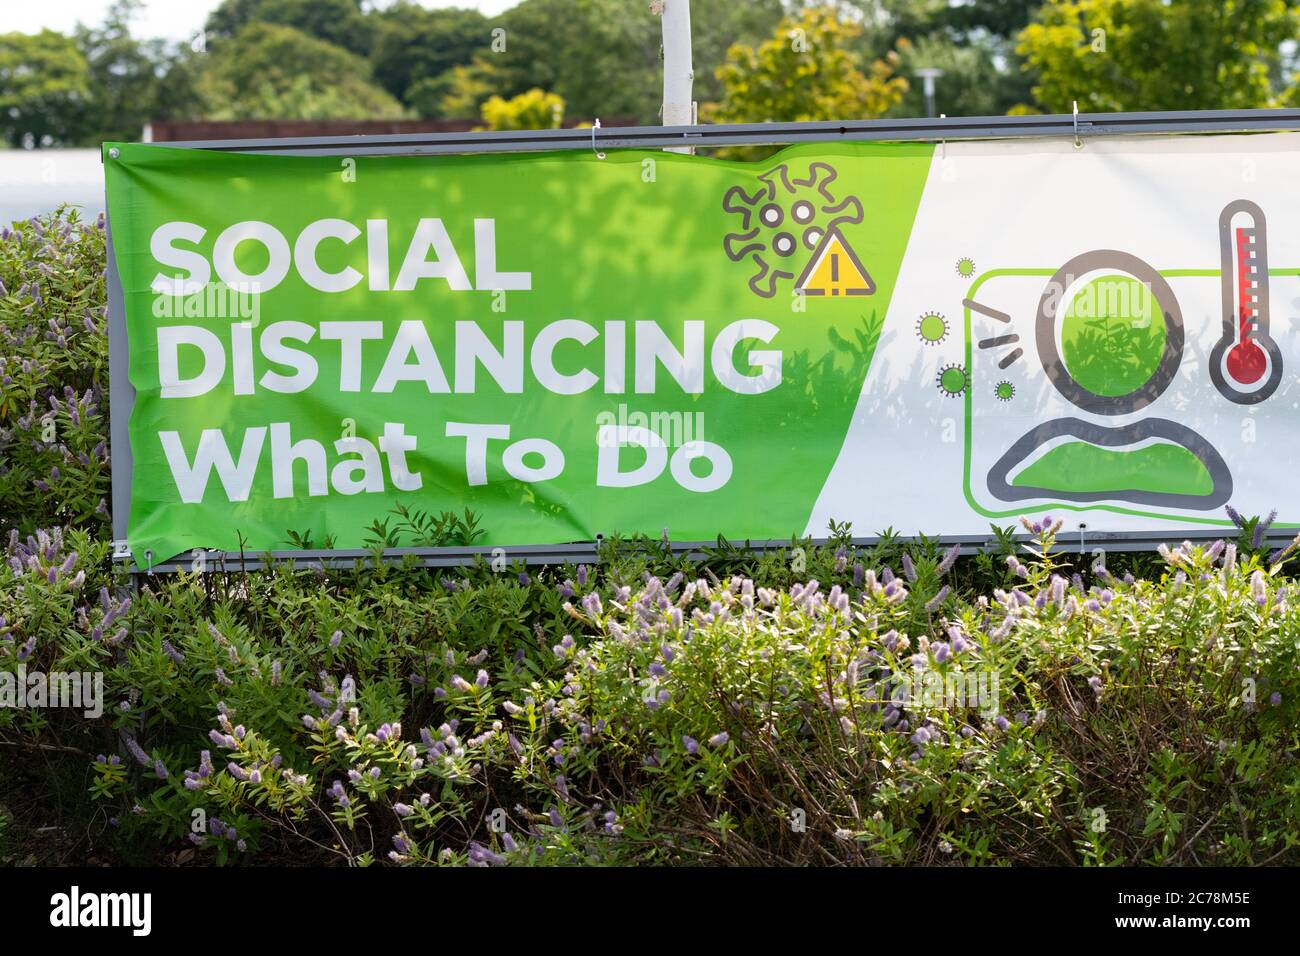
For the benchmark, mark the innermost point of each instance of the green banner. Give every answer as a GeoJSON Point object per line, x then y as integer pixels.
{"type": "Point", "coordinates": [565, 345]}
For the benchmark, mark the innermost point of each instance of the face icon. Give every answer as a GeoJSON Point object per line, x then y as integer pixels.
{"type": "Point", "coordinates": [1109, 336]}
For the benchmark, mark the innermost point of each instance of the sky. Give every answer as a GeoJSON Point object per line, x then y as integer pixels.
{"type": "Point", "coordinates": [171, 19]}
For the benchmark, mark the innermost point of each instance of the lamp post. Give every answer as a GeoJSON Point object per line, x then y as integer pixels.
{"type": "Point", "coordinates": [928, 75]}
{"type": "Point", "coordinates": [679, 75]}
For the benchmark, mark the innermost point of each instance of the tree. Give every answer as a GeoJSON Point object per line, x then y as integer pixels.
{"type": "Point", "coordinates": [601, 56]}
{"type": "Point", "coordinates": [972, 42]}
{"type": "Point", "coordinates": [535, 109]}
{"type": "Point", "coordinates": [275, 71]}
{"type": "Point", "coordinates": [1114, 55]}
{"type": "Point", "coordinates": [971, 85]}
{"type": "Point", "coordinates": [340, 22]}
{"type": "Point", "coordinates": [458, 93]}
{"type": "Point", "coordinates": [415, 46]}
{"type": "Point", "coordinates": [132, 81]}
{"type": "Point", "coordinates": [44, 88]}
{"type": "Point", "coordinates": [807, 71]}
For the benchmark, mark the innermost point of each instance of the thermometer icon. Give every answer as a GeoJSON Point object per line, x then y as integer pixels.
{"type": "Point", "coordinates": [1245, 364]}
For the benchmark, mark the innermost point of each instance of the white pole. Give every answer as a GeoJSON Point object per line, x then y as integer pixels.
{"type": "Point", "coordinates": [679, 76]}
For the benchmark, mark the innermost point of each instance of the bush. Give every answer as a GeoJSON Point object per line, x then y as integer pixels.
{"type": "Point", "coordinates": [824, 705]}
{"type": "Point", "coordinates": [53, 375]}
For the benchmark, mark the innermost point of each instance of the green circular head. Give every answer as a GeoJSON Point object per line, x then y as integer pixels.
{"type": "Point", "coordinates": [965, 267]}
{"type": "Point", "coordinates": [1112, 335]}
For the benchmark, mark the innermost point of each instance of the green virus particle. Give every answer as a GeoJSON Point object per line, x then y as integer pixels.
{"type": "Point", "coordinates": [965, 267]}
{"type": "Point", "coordinates": [1004, 391]}
{"type": "Point", "coordinates": [932, 328]}
{"type": "Point", "coordinates": [953, 380]}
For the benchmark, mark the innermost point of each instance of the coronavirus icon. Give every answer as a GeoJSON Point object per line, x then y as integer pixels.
{"type": "Point", "coordinates": [790, 229]}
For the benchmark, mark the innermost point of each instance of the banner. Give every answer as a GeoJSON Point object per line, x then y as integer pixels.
{"type": "Point", "coordinates": [931, 339]}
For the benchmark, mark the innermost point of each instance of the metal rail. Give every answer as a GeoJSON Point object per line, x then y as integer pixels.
{"type": "Point", "coordinates": [1068, 542]}
{"type": "Point", "coordinates": [760, 134]}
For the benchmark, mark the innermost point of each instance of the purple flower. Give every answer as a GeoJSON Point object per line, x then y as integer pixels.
{"type": "Point", "coordinates": [909, 569]}
{"type": "Point", "coordinates": [481, 679]}
{"type": "Point", "coordinates": [177, 657]}
{"type": "Point", "coordinates": [1058, 590]}
{"type": "Point", "coordinates": [1258, 588]}
{"type": "Point", "coordinates": [1275, 699]}
{"type": "Point", "coordinates": [138, 752]}
{"type": "Point", "coordinates": [949, 559]}
{"type": "Point", "coordinates": [582, 575]}
{"type": "Point", "coordinates": [1002, 723]}
{"type": "Point", "coordinates": [592, 604]}
{"type": "Point", "coordinates": [690, 745]}
{"type": "Point", "coordinates": [936, 602]}
{"type": "Point", "coordinates": [719, 739]}
{"type": "Point", "coordinates": [336, 639]}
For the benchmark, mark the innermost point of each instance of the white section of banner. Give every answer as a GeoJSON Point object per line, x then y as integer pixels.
{"type": "Point", "coordinates": [1145, 440]}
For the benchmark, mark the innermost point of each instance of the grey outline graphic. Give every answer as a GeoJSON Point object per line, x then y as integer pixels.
{"type": "Point", "coordinates": [1227, 279]}
{"type": "Point", "coordinates": [740, 245]}
{"type": "Point", "coordinates": [1114, 438]}
{"type": "Point", "coordinates": [1045, 333]}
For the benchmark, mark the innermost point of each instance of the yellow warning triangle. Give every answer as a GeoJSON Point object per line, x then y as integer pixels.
{"type": "Point", "coordinates": [834, 269]}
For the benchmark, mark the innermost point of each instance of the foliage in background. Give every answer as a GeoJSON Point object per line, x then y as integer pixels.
{"type": "Point", "coordinates": [1152, 55]}
{"type": "Point", "coordinates": [44, 84]}
{"type": "Point", "coordinates": [267, 70]}
{"type": "Point", "coordinates": [535, 109]}
{"type": "Point", "coordinates": [806, 71]}
{"type": "Point", "coordinates": [342, 23]}
{"type": "Point", "coordinates": [603, 58]}
{"type": "Point", "coordinates": [416, 49]}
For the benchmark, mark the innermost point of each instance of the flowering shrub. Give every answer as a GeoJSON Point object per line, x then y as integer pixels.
{"type": "Point", "coordinates": [373, 715]}
{"type": "Point", "coordinates": [53, 374]}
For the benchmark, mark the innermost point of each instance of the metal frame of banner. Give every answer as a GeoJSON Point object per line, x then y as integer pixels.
{"type": "Point", "coordinates": [1076, 127]}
